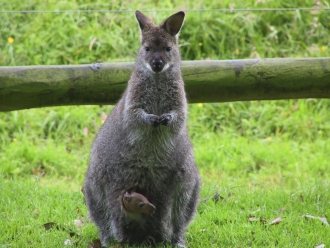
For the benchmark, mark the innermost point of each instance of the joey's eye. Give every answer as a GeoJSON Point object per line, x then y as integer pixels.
{"type": "Point", "coordinates": [168, 49]}
{"type": "Point", "coordinates": [147, 49]}
{"type": "Point", "coordinates": [141, 205]}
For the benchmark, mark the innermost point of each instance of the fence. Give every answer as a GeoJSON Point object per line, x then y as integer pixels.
{"type": "Point", "coordinates": [24, 87]}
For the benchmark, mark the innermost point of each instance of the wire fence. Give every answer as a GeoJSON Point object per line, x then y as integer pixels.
{"type": "Point", "coordinates": [230, 10]}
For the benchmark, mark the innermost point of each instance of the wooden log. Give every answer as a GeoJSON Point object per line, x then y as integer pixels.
{"type": "Point", "coordinates": [24, 87]}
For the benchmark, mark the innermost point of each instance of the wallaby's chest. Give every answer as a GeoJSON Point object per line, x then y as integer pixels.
{"type": "Point", "coordinates": [151, 147]}
{"type": "Point", "coordinates": [158, 97]}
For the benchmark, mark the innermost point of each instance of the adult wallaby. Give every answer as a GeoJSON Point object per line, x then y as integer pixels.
{"type": "Point", "coordinates": [143, 146]}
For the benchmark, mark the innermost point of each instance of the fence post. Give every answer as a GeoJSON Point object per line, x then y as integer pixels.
{"type": "Point", "coordinates": [206, 81]}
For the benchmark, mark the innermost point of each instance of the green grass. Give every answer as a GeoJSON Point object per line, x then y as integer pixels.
{"type": "Point", "coordinates": [265, 159]}
{"type": "Point", "coordinates": [30, 205]}
{"type": "Point", "coordinates": [227, 224]}
{"type": "Point", "coordinates": [66, 38]}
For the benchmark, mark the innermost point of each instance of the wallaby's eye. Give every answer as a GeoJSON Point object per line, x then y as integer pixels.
{"type": "Point", "coordinates": [141, 205]}
{"type": "Point", "coordinates": [147, 49]}
{"type": "Point", "coordinates": [168, 49]}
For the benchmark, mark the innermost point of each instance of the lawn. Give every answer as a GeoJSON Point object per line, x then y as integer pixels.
{"type": "Point", "coordinates": [264, 164]}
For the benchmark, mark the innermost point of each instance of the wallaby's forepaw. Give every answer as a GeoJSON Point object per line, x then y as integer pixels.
{"type": "Point", "coordinates": [154, 120]}
{"type": "Point", "coordinates": [165, 119]}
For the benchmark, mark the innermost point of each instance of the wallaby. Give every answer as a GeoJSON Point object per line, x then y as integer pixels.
{"type": "Point", "coordinates": [144, 145]}
{"type": "Point", "coordinates": [133, 202]}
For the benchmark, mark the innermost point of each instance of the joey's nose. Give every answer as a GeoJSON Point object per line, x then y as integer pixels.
{"type": "Point", "coordinates": [157, 65]}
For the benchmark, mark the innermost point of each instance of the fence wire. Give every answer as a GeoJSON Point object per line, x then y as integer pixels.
{"type": "Point", "coordinates": [187, 10]}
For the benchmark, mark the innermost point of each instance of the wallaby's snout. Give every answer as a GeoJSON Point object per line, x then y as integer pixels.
{"type": "Point", "coordinates": [154, 56]}
{"type": "Point", "coordinates": [157, 64]}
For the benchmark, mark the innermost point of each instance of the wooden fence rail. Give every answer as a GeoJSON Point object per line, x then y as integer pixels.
{"type": "Point", "coordinates": [206, 81]}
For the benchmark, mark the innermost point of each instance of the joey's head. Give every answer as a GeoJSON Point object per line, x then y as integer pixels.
{"type": "Point", "coordinates": [159, 44]}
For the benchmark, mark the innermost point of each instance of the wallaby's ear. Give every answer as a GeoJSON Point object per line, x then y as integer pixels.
{"type": "Point", "coordinates": [142, 19]}
{"type": "Point", "coordinates": [174, 23]}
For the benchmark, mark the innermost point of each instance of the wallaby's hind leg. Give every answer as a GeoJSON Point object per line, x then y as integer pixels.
{"type": "Point", "coordinates": [98, 215]}
{"type": "Point", "coordinates": [105, 235]}
{"type": "Point", "coordinates": [184, 215]}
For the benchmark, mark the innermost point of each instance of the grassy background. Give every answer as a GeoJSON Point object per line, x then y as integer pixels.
{"type": "Point", "coordinates": [260, 159]}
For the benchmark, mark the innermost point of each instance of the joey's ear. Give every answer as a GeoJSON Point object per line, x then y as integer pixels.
{"type": "Point", "coordinates": [143, 20]}
{"type": "Point", "coordinates": [174, 23]}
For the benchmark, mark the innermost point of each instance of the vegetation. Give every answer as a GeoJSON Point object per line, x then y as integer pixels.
{"type": "Point", "coordinates": [259, 160]}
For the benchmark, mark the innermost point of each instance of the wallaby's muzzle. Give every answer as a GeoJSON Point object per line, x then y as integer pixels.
{"type": "Point", "coordinates": [157, 65]}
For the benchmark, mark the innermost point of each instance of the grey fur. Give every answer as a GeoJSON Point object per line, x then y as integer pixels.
{"type": "Point", "coordinates": [144, 144]}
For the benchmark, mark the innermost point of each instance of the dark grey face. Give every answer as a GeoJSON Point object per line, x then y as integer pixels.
{"type": "Point", "coordinates": [159, 50]}
{"type": "Point", "coordinates": [157, 55]}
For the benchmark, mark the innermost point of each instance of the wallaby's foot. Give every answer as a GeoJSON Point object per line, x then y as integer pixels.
{"type": "Point", "coordinates": [165, 119]}
{"type": "Point", "coordinates": [178, 242]}
{"type": "Point", "coordinates": [179, 245]}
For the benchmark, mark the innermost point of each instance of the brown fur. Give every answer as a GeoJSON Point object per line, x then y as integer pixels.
{"type": "Point", "coordinates": [135, 203]}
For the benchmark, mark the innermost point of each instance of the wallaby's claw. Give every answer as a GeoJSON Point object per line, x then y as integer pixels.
{"type": "Point", "coordinates": [154, 120]}
{"type": "Point", "coordinates": [165, 119]}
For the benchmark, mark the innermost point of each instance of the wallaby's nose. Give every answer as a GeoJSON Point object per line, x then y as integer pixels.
{"type": "Point", "coordinates": [157, 65]}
